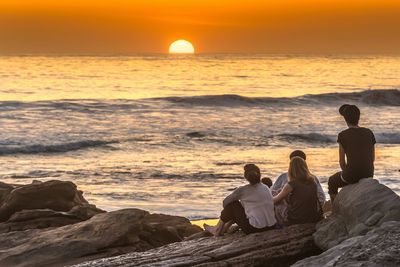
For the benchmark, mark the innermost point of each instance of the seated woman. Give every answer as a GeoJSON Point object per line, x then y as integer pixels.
{"type": "Point", "coordinates": [250, 206]}
{"type": "Point", "coordinates": [304, 206]}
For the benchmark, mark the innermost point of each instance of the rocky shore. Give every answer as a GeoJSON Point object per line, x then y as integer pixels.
{"type": "Point", "coordinates": [51, 224]}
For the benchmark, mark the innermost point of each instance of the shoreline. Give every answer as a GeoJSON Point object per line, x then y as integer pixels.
{"type": "Point", "coordinates": [203, 221]}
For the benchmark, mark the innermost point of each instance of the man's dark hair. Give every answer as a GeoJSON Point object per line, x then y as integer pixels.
{"type": "Point", "coordinates": [298, 153]}
{"type": "Point", "coordinates": [267, 181]}
{"type": "Point", "coordinates": [351, 113]}
{"type": "Point", "coordinates": [252, 173]}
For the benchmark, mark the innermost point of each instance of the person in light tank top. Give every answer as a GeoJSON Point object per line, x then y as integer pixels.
{"type": "Point", "coordinates": [250, 206]}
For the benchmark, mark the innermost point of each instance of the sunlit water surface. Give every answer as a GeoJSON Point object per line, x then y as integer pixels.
{"type": "Point", "coordinates": [182, 149]}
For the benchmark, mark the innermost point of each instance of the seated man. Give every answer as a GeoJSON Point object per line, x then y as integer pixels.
{"type": "Point", "coordinates": [356, 152]}
{"type": "Point", "coordinates": [281, 208]}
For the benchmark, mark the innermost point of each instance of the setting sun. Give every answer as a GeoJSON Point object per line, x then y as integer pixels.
{"type": "Point", "coordinates": [181, 47]}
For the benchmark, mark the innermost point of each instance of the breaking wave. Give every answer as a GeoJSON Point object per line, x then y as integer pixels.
{"type": "Point", "coordinates": [389, 97]}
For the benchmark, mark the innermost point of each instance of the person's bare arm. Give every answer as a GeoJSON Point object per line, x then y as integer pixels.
{"type": "Point", "coordinates": [283, 194]}
{"type": "Point", "coordinates": [342, 157]}
{"type": "Point", "coordinates": [373, 153]}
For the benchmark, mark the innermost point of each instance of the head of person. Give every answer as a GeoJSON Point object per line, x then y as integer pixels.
{"type": "Point", "coordinates": [351, 114]}
{"type": "Point", "coordinates": [252, 173]}
{"type": "Point", "coordinates": [298, 153]}
{"type": "Point", "coordinates": [267, 181]}
{"type": "Point", "coordinates": [298, 170]}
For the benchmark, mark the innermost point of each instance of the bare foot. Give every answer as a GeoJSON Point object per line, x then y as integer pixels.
{"type": "Point", "coordinates": [211, 229]}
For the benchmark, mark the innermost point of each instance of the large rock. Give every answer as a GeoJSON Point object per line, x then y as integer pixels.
{"type": "Point", "coordinates": [103, 235]}
{"type": "Point", "coordinates": [379, 247]}
{"type": "Point", "coordinates": [45, 218]}
{"type": "Point", "coordinates": [54, 195]}
{"type": "Point", "coordinates": [271, 248]}
{"type": "Point", "coordinates": [357, 209]}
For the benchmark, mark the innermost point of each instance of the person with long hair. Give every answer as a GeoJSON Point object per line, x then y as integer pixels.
{"type": "Point", "coordinates": [250, 206]}
{"type": "Point", "coordinates": [281, 208]}
{"type": "Point", "coordinates": [301, 191]}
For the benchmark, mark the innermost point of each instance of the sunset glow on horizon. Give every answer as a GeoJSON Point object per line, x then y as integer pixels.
{"type": "Point", "coordinates": [254, 26]}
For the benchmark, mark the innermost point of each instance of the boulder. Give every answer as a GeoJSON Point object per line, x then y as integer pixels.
{"type": "Point", "coordinates": [5, 189]}
{"type": "Point", "coordinates": [379, 247]}
{"type": "Point", "coordinates": [357, 209]}
{"type": "Point", "coordinates": [104, 235]}
{"type": "Point", "coordinates": [280, 247]}
{"type": "Point", "coordinates": [54, 195]}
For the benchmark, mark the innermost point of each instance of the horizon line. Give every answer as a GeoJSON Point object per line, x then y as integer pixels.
{"type": "Point", "coordinates": [133, 54]}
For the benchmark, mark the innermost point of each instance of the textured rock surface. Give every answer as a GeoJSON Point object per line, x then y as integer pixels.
{"type": "Point", "coordinates": [271, 248]}
{"type": "Point", "coordinates": [379, 247]}
{"type": "Point", "coordinates": [45, 218]}
{"type": "Point", "coordinates": [357, 209]}
{"type": "Point", "coordinates": [103, 235]}
{"type": "Point", "coordinates": [54, 195]}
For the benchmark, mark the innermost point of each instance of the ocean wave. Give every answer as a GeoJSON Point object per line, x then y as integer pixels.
{"type": "Point", "coordinates": [283, 138]}
{"type": "Point", "coordinates": [54, 148]}
{"type": "Point", "coordinates": [381, 138]}
{"type": "Point", "coordinates": [307, 137]}
{"type": "Point", "coordinates": [388, 138]}
{"type": "Point", "coordinates": [388, 97]}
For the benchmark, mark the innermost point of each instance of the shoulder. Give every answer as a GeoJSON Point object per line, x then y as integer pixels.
{"type": "Point", "coordinates": [239, 189]}
{"type": "Point", "coordinates": [293, 183]}
{"type": "Point", "coordinates": [367, 130]}
{"type": "Point", "coordinates": [315, 178]}
{"type": "Point", "coordinates": [344, 132]}
{"type": "Point", "coordinates": [342, 135]}
{"type": "Point", "coordinates": [282, 177]}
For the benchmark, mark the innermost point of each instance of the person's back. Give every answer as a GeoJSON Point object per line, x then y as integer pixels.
{"type": "Point", "coordinates": [303, 205]}
{"type": "Point", "coordinates": [251, 206]}
{"type": "Point", "coordinates": [356, 152]}
{"type": "Point", "coordinates": [258, 205]}
{"type": "Point", "coordinates": [358, 144]}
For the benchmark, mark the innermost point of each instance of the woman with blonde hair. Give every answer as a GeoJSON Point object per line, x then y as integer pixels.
{"type": "Point", "coordinates": [301, 188]}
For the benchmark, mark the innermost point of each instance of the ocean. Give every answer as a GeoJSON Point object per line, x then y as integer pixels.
{"type": "Point", "coordinates": [171, 134]}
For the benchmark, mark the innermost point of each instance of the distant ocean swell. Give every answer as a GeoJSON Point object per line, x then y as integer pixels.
{"type": "Point", "coordinates": [310, 138]}
{"type": "Point", "coordinates": [389, 97]}
{"type": "Point", "coordinates": [271, 140]}
{"type": "Point", "coordinates": [53, 148]}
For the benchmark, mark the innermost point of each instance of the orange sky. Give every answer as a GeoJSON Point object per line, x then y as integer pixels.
{"type": "Point", "coordinates": [240, 26]}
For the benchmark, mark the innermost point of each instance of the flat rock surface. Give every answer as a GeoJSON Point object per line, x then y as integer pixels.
{"type": "Point", "coordinates": [104, 235]}
{"type": "Point", "coordinates": [280, 247]}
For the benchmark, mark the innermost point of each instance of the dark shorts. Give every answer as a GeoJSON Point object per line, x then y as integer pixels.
{"type": "Point", "coordinates": [339, 180]}
{"type": "Point", "coordinates": [235, 212]}
{"type": "Point", "coordinates": [335, 182]}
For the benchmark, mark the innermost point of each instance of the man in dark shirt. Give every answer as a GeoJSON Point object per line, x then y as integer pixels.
{"type": "Point", "coordinates": [356, 152]}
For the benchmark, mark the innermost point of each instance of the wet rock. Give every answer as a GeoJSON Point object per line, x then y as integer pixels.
{"type": "Point", "coordinates": [358, 209]}
{"type": "Point", "coordinates": [103, 235]}
{"type": "Point", "coordinates": [379, 247]}
{"type": "Point", "coordinates": [271, 248]}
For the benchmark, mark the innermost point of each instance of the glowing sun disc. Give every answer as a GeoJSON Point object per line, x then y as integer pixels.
{"type": "Point", "coordinates": [181, 47]}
